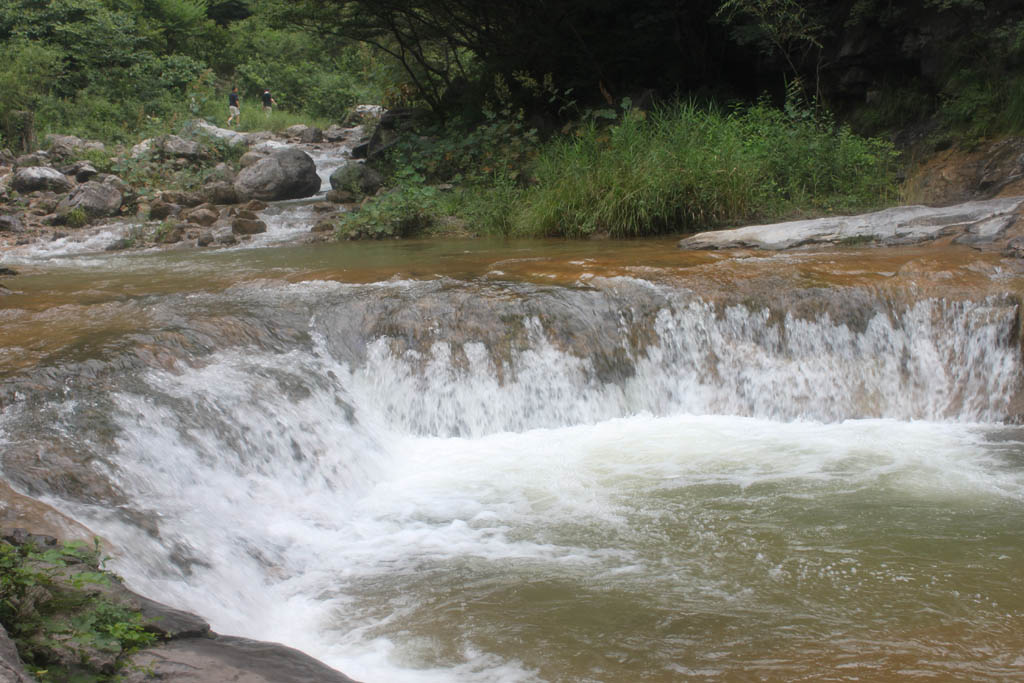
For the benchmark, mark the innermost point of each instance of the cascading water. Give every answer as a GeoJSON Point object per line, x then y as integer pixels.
{"type": "Point", "coordinates": [460, 480]}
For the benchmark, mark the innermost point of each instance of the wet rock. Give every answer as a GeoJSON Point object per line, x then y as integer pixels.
{"type": "Point", "coordinates": [254, 205]}
{"type": "Point", "coordinates": [286, 174]}
{"type": "Point", "coordinates": [33, 178]}
{"type": "Point", "coordinates": [226, 658]}
{"type": "Point", "coordinates": [327, 224]}
{"type": "Point", "coordinates": [205, 238]}
{"type": "Point", "coordinates": [247, 226]}
{"type": "Point", "coordinates": [7, 272]}
{"type": "Point", "coordinates": [119, 244]}
{"type": "Point", "coordinates": [96, 199]}
{"type": "Point", "coordinates": [227, 239]}
{"type": "Point", "coordinates": [986, 231]}
{"type": "Point", "coordinates": [204, 214]}
{"type": "Point", "coordinates": [358, 178]}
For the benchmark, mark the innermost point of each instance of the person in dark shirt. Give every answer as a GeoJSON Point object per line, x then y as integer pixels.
{"type": "Point", "coordinates": [233, 107]}
{"type": "Point", "coordinates": [268, 101]}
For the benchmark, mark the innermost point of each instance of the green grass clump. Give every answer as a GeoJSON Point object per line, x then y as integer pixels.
{"type": "Point", "coordinates": [684, 168]}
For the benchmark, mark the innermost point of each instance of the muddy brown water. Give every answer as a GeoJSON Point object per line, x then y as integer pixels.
{"type": "Point", "coordinates": [543, 461]}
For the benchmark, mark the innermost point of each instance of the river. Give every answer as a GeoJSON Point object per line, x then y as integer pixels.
{"type": "Point", "coordinates": [474, 460]}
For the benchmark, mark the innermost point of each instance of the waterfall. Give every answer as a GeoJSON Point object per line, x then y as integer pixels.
{"type": "Point", "coordinates": [396, 476]}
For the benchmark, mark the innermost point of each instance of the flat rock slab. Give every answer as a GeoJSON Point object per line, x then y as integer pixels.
{"type": "Point", "coordinates": [226, 658]}
{"type": "Point", "coordinates": [897, 226]}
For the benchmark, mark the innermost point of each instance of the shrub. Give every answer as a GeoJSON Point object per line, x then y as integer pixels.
{"type": "Point", "coordinates": [684, 168]}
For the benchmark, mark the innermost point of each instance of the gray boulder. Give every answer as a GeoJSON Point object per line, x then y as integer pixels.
{"type": "Point", "coordinates": [357, 178]}
{"type": "Point", "coordinates": [179, 147]}
{"type": "Point", "coordinates": [95, 198]}
{"type": "Point", "coordinates": [82, 171]}
{"type": "Point", "coordinates": [10, 222]}
{"type": "Point", "coordinates": [232, 137]}
{"type": "Point", "coordinates": [32, 178]}
{"type": "Point", "coordinates": [219, 192]}
{"type": "Point", "coordinates": [68, 145]}
{"type": "Point", "coordinates": [286, 174]}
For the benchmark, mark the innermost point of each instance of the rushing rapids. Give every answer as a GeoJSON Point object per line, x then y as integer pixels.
{"type": "Point", "coordinates": [543, 462]}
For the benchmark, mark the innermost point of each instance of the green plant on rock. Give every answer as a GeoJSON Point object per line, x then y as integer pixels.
{"type": "Point", "coordinates": [76, 218]}
{"type": "Point", "coordinates": [51, 604]}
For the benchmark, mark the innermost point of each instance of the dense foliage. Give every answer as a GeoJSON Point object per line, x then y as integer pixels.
{"type": "Point", "coordinates": [118, 69]}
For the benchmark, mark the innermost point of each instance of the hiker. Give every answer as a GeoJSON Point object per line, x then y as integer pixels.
{"type": "Point", "coordinates": [268, 101]}
{"type": "Point", "coordinates": [233, 108]}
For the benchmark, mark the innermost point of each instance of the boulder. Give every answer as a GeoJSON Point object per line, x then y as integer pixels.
{"type": "Point", "coordinates": [180, 148]}
{"type": "Point", "coordinates": [336, 133]}
{"type": "Point", "coordinates": [82, 171]}
{"type": "Point", "coordinates": [203, 214]}
{"type": "Point", "coordinates": [67, 145]}
{"type": "Point", "coordinates": [32, 178]}
{"type": "Point", "coordinates": [10, 222]}
{"type": "Point", "coordinates": [326, 224]}
{"type": "Point", "coordinates": [219, 192]}
{"type": "Point", "coordinates": [296, 131]}
{"type": "Point", "coordinates": [35, 159]}
{"type": "Point", "coordinates": [247, 226]}
{"type": "Point", "coordinates": [95, 198]}
{"type": "Point", "coordinates": [311, 136]}
{"type": "Point", "coordinates": [232, 137]}
{"type": "Point", "coordinates": [205, 238]}
{"type": "Point", "coordinates": [359, 179]}
{"type": "Point", "coordinates": [286, 174]}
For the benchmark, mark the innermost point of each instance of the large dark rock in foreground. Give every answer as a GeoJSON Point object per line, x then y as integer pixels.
{"type": "Point", "coordinates": [286, 174]}
{"type": "Point", "coordinates": [227, 658]}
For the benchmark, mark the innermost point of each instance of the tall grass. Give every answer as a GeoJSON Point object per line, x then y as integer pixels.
{"type": "Point", "coordinates": [686, 168]}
